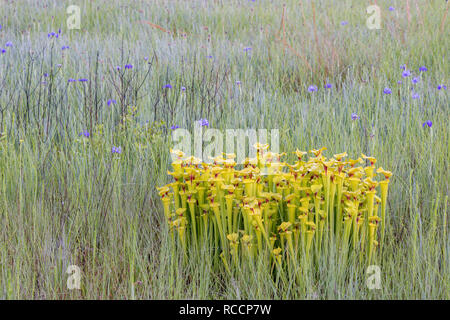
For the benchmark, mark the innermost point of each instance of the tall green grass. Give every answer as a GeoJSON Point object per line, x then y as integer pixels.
{"type": "Point", "coordinates": [66, 199]}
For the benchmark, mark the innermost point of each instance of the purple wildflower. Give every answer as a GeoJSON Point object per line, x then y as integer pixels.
{"type": "Point", "coordinates": [328, 86]}
{"type": "Point", "coordinates": [354, 116]}
{"type": "Point", "coordinates": [209, 57]}
{"type": "Point", "coordinates": [238, 82]}
{"type": "Point", "coordinates": [312, 88]}
{"type": "Point", "coordinates": [427, 123]}
{"type": "Point", "coordinates": [46, 75]}
{"type": "Point", "coordinates": [406, 73]}
{"type": "Point", "coordinates": [247, 49]}
{"type": "Point", "coordinates": [387, 90]}
{"type": "Point", "coordinates": [84, 133]}
{"type": "Point", "coordinates": [71, 80]}
{"type": "Point", "coordinates": [399, 82]}
{"type": "Point", "coordinates": [415, 80]}
{"type": "Point", "coordinates": [344, 23]}
{"type": "Point", "coordinates": [183, 88]}
{"type": "Point", "coordinates": [403, 67]}
{"type": "Point", "coordinates": [2, 50]}
{"type": "Point", "coordinates": [174, 127]}
{"type": "Point", "coordinates": [83, 80]}
{"type": "Point", "coordinates": [8, 44]}
{"type": "Point", "coordinates": [441, 86]}
{"type": "Point", "coordinates": [203, 122]}
{"type": "Point", "coordinates": [117, 150]}
{"type": "Point", "coordinates": [111, 101]}
{"type": "Point", "coordinates": [168, 86]}
{"type": "Point", "coordinates": [128, 66]}
{"type": "Point", "coordinates": [415, 95]}
{"type": "Point", "coordinates": [391, 8]}
{"type": "Point", "coordinates": [423, 68]}
{"type": "Point", "coordinates": [65, 47]}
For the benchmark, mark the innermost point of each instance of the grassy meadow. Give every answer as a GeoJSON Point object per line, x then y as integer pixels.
{"type": "Point", "coordinates": [86, 118]}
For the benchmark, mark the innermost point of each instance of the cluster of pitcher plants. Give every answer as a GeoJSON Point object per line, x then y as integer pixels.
{"type": "Point", "coordinates": [289, 214]}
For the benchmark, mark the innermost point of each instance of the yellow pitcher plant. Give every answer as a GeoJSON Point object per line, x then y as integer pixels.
{"type": "Point", "coordinates": [288, 213]}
